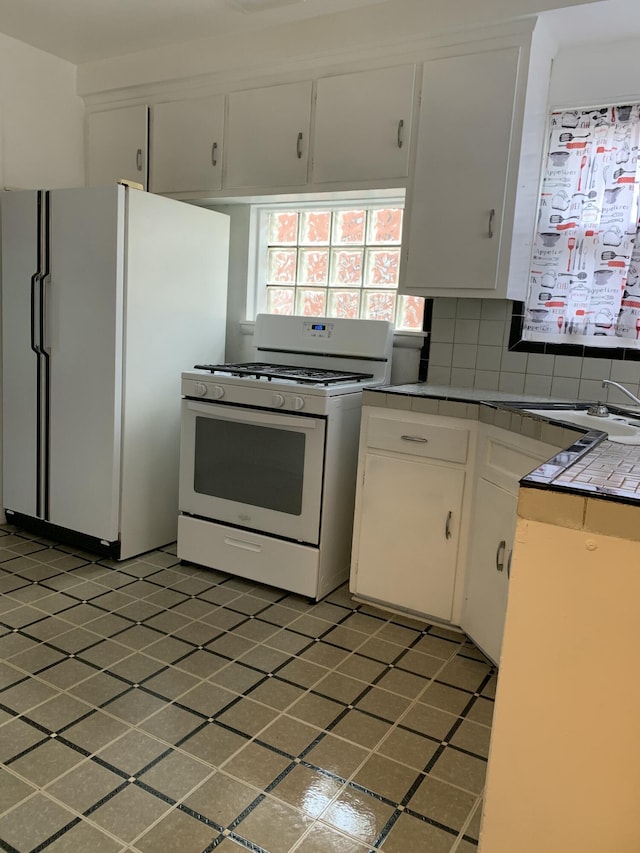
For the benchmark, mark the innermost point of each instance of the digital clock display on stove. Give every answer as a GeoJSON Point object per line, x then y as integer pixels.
{"type": "Point", "coordinates": [314, 329]}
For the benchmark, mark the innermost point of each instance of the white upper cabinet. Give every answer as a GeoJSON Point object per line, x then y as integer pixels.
{"type": "Point", "coordinates": [268, 136]}
{"type": "Point", "coordinates": [363, 125]}
{"type": "Point", "coordinates": [476, 174]}
{"type": "Point", "coordinates": [186, 145]}
{"type": "Point", "coordinates": [117, 145]}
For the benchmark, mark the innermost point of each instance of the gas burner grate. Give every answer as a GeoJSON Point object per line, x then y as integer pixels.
{"type": "Point", "coordinates": [304, 375]}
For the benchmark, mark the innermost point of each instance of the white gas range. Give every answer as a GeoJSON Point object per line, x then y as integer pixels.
{"type": "Point", "coordinates": [269, 452]}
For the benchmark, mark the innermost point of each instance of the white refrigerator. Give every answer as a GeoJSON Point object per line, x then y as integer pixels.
{"type": "Point", "coordinates": [108, 294]}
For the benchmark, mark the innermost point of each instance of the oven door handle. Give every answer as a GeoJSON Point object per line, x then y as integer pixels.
{"type": "Point", "coordinates": [252, 417]}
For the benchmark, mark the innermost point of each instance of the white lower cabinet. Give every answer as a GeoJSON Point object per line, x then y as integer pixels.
{"type": "Point", "coordinates": [503, 458]}
{"type": "Point", "coordinates": [409, 534]}
{"type": "Point", "coordinates": [410, 511]}
{"type": "Point", "coordinates": [488, 566]}
{"type": "Point", "coordinates": [435, 517]}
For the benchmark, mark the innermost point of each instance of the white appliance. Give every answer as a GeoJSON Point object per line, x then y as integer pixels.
{"type": "Point", "coordinates": [105, 292]}
{"type": "Point", "coordinates": [268, 454]}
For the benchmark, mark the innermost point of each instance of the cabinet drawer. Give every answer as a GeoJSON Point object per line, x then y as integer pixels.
{"type": "Point", "coordinates": [505, 457]}
{"type": "Point", "coordinates": [433, 442]}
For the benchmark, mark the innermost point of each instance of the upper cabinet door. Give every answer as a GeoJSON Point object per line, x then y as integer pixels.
{"type": "Point", "coordinates": [117, 147]}
{"type": "Point", "coordinates": [363, 125]}
{"type": "Point", "coordinates": [458, 199]}
{"type": "Point", "coordinates": [268, 136]}
{"type": "Point", "coordinates": [186, 145]}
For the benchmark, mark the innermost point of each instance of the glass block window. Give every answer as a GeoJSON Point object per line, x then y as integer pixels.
{"type": "Point", "coordinates": [338, 262]}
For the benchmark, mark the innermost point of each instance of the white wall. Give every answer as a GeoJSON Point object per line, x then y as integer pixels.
{"type": "Point", "coordinates": [41, 117]}
{"type": "Point", "coordinates": [596, 73]}
{"type": "Point", "coordinates": [41, 122]}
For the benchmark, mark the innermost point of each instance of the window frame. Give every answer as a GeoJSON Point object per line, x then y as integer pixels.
{"type": "Point", "coordinates": [257, 289]}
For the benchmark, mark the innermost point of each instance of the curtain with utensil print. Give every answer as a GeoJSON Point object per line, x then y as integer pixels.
{"type": "Point", "coordinates": [584, 284]}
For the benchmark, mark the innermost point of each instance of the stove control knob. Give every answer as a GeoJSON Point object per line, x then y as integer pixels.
{"type": "Point", "coordinates": [200, 389]}
{"type": "Point", "coordinates": [217, 392]}
{"type": "Point", "coordinates": [277, 400]}
{"type": "Point", "coordinates": [297, 403]}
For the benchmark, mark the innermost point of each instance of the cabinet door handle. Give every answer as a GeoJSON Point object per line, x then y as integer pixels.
{"type": "Point", "coordinates": [400, 133]}
{"type": "Point", "coordinates": [214, 152]}
{"type": "Point", "coordinates": [509, 563]}
{"type": "Point", "coordinates": [492, 214]}
{"type": "Point", "coordinates": [139, 159]}
{"type": "Point", "coordinates": [447, 526]}
{"type": "Point", "coordinates": [414, 438]}
{"type": "Point", "coordinates": [500, 555]}
{"type": "Point", "coordinates": [299, 146]}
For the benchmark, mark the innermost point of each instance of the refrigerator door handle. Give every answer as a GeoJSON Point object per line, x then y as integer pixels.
{"type": "Point", "coordinates": [45, 348]}
{"type": "Point", "coordinates": [34, 283]}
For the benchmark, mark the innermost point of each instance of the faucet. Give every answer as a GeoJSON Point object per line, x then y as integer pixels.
{"type": "Point", "coordinates": [624, 390]}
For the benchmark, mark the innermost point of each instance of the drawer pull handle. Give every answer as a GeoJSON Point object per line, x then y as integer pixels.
{"type": "Point", "coordinates": [447, 526]}
{"type": "Point", "coordinates": [400, 129]}
{"type": "Point", "coordinates": [414, 438]}
{"type": "Point", "coordinates": [239, 543]}
{"type": "Point", "coordinates": [299, 146]}
{"type": "Point", "coordinates": [214, 154]}
{"type": "Point", "coordinates": [500, 555]}
{"type": "Point", "coordinates": [492, 214]}
{"type": "Point", "coordinates": [139, 159]}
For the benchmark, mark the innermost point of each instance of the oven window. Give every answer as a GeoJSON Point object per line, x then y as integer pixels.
{"type": "Point", "coordinates": [254, 465]}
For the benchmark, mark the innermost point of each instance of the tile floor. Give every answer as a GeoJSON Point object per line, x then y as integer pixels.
{"type": "Point", "coordinates": [156, 707]}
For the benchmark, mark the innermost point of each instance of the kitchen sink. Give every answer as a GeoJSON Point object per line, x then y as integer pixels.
{"type": "Point", "coordinates": [623, 429]}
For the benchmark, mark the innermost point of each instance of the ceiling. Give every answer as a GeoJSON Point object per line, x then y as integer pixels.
{"type": "Point", "coordinates": [87, 30]}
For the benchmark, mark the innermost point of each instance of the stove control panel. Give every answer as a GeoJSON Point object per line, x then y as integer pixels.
{"type": "Point", "coordinates": [311, 329]}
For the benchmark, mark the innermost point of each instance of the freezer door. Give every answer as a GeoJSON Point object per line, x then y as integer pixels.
{"type": "Point", "coordinates": [84, 299]}
{"type": "Point", "coordinates": [19, 361]}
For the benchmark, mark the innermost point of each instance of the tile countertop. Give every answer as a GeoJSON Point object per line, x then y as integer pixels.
{"type": "Point", "coordinates": [589, 465]}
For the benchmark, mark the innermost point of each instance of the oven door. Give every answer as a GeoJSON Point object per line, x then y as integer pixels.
{"type": "Point", "coordinates": [252, 468]}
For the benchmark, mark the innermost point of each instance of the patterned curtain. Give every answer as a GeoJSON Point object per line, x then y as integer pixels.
{"type": "Point", "coordinates": [584, 285]}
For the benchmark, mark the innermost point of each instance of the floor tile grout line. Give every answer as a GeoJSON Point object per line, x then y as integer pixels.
{"type": "Point", "coordinates": [349, 652]}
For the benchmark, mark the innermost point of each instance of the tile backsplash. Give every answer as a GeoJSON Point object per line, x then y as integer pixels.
{"type": "Point", "coordinates": [469, 349]}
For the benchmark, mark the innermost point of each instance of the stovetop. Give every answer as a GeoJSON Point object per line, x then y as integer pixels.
{"type": "Point", "coordinates": [292, 373]}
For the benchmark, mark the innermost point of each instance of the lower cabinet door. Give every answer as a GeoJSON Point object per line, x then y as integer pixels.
{"type": "Point", "coordinates": [487, 587]}
{"type": "Point", "coordinates": [408, 533]}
